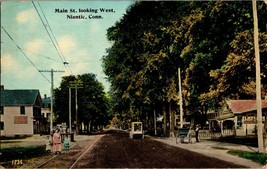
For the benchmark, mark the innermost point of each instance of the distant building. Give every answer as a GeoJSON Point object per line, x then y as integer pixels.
{"type": "Point", "coordinates": [20, 112]}
{"type": "Point", "coordinates": [46, 111]}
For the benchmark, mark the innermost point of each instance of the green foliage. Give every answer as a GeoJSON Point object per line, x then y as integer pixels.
{"type": "Point", "coordinates": [21, 153]}
{"type": "Point", "coordinates": [236, 78]}
{"type": "Point", "coordinates": [207, 40]}
{"type": "Point", "coordinates": [93, 103]}
{"type": "Point", "coordinates": [254, 156]}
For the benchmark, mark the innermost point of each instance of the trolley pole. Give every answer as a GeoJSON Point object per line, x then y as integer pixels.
{"type": "Point", "coordinates": [52, 95]}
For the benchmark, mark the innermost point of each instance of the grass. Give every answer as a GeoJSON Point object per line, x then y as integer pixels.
{"type": "Point", "coordinates": [7, 141]}
{"type": "Point", "coordinates": [220, 148]}
{"type": "Point", "coordinates": [21, 153]}
{"type": "Point", "coordinates": [254, 156]}
{"type": "Point", "coordinates": [13, 138]}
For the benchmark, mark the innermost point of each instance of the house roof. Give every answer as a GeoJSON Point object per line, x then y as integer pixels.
{"type": "Point", "coordinates": [46, 100]}
{"type": "Point", "coordinates": [20, 97]}
{"type": "Point", "coordinates": [242, 106]}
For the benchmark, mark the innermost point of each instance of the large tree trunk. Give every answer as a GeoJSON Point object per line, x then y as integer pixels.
{"type": "Point", "coordinates": [155, 122]}
{"type": "Point", "coordinates": [164, 121]}
{"type": "Point", "coordinates": [171, 120]}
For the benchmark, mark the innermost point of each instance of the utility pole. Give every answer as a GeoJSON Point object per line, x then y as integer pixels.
{"type": "Point", "coordinates": [180, 98]}
{"type": "Point", "coordinates": [258, 80]}
{"type": "Point", "coordinates": [52, 95]}
{"type": "Point", "coordinates": [70, 110]}
{"type": "Point", "coordinates": [75, 84]}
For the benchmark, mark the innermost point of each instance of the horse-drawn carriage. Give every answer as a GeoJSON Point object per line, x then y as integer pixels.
{"type": "Point", "coordinates": [184, 134]}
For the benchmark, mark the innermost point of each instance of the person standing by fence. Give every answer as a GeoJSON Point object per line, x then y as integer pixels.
{"type": "Point", "coordinates": [57, 142]}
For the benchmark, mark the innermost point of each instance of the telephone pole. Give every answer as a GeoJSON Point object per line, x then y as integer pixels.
{"type": "Point", "coordinates": [52, 95]}
{"type": "Point", "coordinates": [180, 98]}
{"type": "Point", "coordinates": [75, 85]}
{"type": "Point", "coordinates": [258, 79]}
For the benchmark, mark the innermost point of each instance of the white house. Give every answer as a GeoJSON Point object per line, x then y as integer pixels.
{"type": "Point", "coordinates": [20, 112]}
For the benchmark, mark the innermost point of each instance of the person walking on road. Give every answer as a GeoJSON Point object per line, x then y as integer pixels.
{"type": "Point", "coordinates": [197, 130]}
{"type": "Point", "coordinates": [57, 142]}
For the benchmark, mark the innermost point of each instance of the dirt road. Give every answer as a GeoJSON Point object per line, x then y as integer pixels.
{"type": "Point", "coordinates": [117, 150]}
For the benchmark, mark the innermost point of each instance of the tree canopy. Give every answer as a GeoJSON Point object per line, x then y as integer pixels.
{"type": "Point", "coordinates": [211, 41]}
{"type": "Point", "coordinates": [93, 103]}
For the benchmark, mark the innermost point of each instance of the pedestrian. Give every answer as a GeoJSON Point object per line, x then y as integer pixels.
{"type": "Point", "coordinates": [189, 135]}
{"type": "Point", "coordinates": [66, 143]}
{"type": "Point", "coordinates": [57, 142]}
{"type": "Point", "coordinates": [48, 145]}
{"type": "Point", "coordinates": [197, 130]}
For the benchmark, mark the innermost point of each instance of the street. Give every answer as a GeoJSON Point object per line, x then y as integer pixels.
{"type": "Point", "coordinates": [116, 150]}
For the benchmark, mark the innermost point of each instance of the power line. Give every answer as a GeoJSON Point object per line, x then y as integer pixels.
{"type": "Point", "coordinates": [34, 53]}
{"type": "Point", "coordinates": [23, 53]}
{"type": "Point", "coordinates": [51, 36]}
{"type": "Point", "coordinates": [61, 54]}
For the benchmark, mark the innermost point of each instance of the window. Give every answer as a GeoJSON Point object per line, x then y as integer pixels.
{"type": "Point", "coordinates": [1, 109]}
{"type": "Point", "coordinates": [239, 121]}
{"type": "Point", "coordinates": [22, 109]}
{"type": "Point", "coordinates": [1, 125]}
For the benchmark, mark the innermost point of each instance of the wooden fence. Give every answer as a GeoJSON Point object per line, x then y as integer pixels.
{"type": "Point", "coordinates": [205, 134]}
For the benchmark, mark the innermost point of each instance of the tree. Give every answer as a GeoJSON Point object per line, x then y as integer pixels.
{"type": "Point", "coordinates": [236, 79]}
{"type": "Point", "coordinates": [153, 39]}
{"type": "Point", "coordinates": [93, 103]}
{"type": "Point", "coordinates": [138, 71]}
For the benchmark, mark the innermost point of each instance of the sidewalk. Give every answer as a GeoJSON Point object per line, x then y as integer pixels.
{"type": "Point", "coordinates": [206, 147]}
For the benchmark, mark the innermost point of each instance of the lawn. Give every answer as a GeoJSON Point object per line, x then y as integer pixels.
{"type": "Point", "coordinates": [18, 154]}
{"type": "Point", "coordinates": [254, 156]}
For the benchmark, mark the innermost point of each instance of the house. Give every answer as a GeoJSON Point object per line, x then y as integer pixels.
{"type": "Point", "coordinates": [240, 117]}
{"type": "Point", "coordinates": [46, 108]}
{"type": "Point", "coordinates": [20, 112]}
{"type": "Point", "coordinates": [46, 112]}
{"type": "Point", "coordinates": [245, 112]}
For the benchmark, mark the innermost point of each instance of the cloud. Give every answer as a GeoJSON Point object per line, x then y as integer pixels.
{"type": "Point", "coordinates": [35, 45]}
{"type": "Point", "coordinates": [66, 44]}
{"type": "Point", "coordinates": [25, 16]}
{"type": "Point", "coordinates": [14, 68]}
{"type": "Point", "coordinates": [80, 68]}
{"type": "Point", "coordinates": [9, 63]}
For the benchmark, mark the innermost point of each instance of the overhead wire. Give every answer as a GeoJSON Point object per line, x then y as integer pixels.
{"type": "Point", "coordinates": [24, 53]}
{"type": "Point", "coordinates": [51, 36]}
{"type": "Point", "coordinates": [49, 58]}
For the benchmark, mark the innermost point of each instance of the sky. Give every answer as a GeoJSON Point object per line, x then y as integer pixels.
{"type": "Point", "coordinates": [42, 35]}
